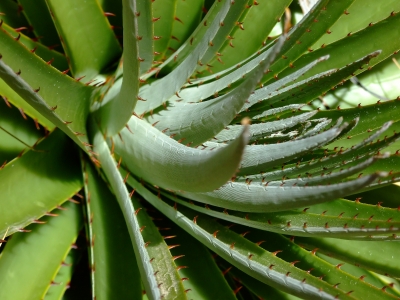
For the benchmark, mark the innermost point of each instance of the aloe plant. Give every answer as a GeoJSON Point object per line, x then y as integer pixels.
{"type": "Point", "coordinates": [199, 149]}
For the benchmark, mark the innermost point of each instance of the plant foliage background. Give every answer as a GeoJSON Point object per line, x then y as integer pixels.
{"type": "Point", "coordinates": [199, 149]}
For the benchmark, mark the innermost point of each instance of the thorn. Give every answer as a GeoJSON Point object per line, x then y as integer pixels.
{"type": "Point", "coordinates": [22, 113]}
{"type": "Point", "coordinates": [177, 256]}
{"type": "Point", "coordinates": [177, 19]}
{"type": "Point", "coordinates": [172, 246]}
{"type": "Point", "coordinates": [276, 252]}
{"type": "Point", "coordinates": [126, 177]}
{"type": "Point", "coordinates": [51, 214]}
{"type": "Point", "coordinates": [80, 78]}
{"type": "Point", "coordinates": [338, 266]}
{"type": "Point", "coordinates": [237, 290]}
{"type": "Point", "coordinates": [244, 233]}
{"type": "Point", "coordinates": [226, 271]}
{"type": "Point", "coordinates": [181, 267]}
{"type": "Point", "coordinates": [38, 222]}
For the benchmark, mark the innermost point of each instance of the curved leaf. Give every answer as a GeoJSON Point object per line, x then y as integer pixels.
{"type": "Point", "coordinates": [261, 198]}
{"type": "Point", "coordinates": [161, 160]}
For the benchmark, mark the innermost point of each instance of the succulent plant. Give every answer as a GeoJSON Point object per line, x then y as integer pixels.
{"type": "Point", "coordinates": [226, 154]}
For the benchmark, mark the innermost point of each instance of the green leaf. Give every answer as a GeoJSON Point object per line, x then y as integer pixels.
{"type": "Point", "coordinates": [245, 255]}
{"type": "Point", "coordinates": [241, 196]}
{"type": "Point", "coordinates": [11, 96]}
{"type": "Point", "coordinates": [339, 218]}
{"type": "Point", "coordinates": [63, 277]}
{"type": "Point", "coordinates": [260, 130]}
{"type": "Point", "coordinates": [10, 13]}
{"type": "Point", "coordinates": [110, 249]}
{"type": "Point", "coordinates": [163, 161]}
{"type": "Point", "coordinates": [381, 36]}
{"type": "Point", "coordinates": [289, 251]}
{"type": "Point", "coordinates": [172, 83]}
{"type": "Point", "coordinates": [21, 262]}
{"type": "Point", "coordinates": [382, 81]}
{"type": "Point", "coordinates": [260, 158]}
{"type": "Point", "coordinates": [34, 99]}
{"type": "Point", "coordinates": [187, 16]}
{"type": "Point", "coordinates": [367, 276]}
{"type": "Point", "coordinates": [164, 12]}
{"type": "Point", "coordinates": [320, 160]}
{"type": "Point", "coordinates": [38, 15]}
{"type": "Point", "coordinates": [199, 122]}
{"type": "Point", "coordinates": [142, 31]}
{"type": "Point", "coordinates": [355, 20]}
{"type": "Point", "coordinates": [56, 59]}
{"type": "Point", "coordinates": [256, 21]}
{"type": "Point", "coordinates": [109, 167]}
{"type": "Point", "coordinates": [260, 289]}
{"type": "Point", "coordinates": [16, 132]}
{"type": "Point", "coordinates": [277, 87]}
{"type": "Point", "coordinates": [196, 38]}
{"type": "Point", "coordinates": [117, 107]}
{"type": "Point", "coordinates": [91, 46]}
{"type": "Point", "coordinates": [381, 112]}
{"type": "Point", "coordinates": [52, 165]}
{"type": "Point", "coordinates": [304, 34]}
{"type": "Point", "coordinates": [169, 281]}
{"type": "Point", "coordinates": [196, 266]}
{"type": "Point", "coordinates": [381, 257]}
{"type": "Point", "coordinates": [308, 89]}
{"type": "Point", "coordinates": [55, 95]}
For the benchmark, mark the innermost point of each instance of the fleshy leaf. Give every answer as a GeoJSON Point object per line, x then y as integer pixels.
{"type": "Point", "coordinates": [163, 161]}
